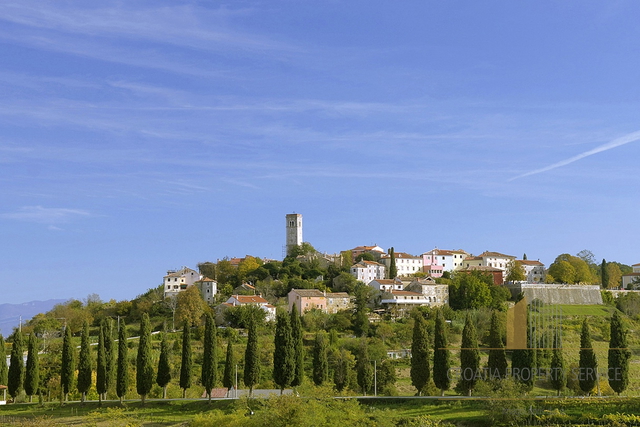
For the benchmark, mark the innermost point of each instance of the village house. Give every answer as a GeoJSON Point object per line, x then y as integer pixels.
{"type": "Point", "coordinates": [179, 280]}
{"type": "Point", "coordinates": [630, 278]}
{"type": "Point", "coordinates": [256, 300]}
{"type": "Point", "coordinates": [436, 261]}
{"type": "Point", "coordinates": [366, 271]}
{"type": "Point", "coordinates": [307, 299]}
{"type": "Point", "coordinates": [406, 264]}
{"type": "Point", "coordinates": [534, 271]}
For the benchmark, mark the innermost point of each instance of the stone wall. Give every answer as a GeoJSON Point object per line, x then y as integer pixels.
{"type": "Point", "coordinates": [558, 294]}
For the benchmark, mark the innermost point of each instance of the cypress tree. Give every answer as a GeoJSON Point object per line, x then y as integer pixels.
{"type": "Point", "coordinates": [229, 365]}
{"type": "Point", "coordinates": [420, 371]}
{"type": "Point", "coordinates": [101, 367]}
{"type": "Point", "coordinates": [469, 357]}
{"type": "Point", "coordinates": [393, 270]}
{"type": "Point", "coordinates": [16, 368]}
{"type": "Point", "coordinates": [164, 367]}
{"type": "Point", "coordinates": [343, 365]}
{"type": "Point", "coordinates": [32, 373]}
{"type": "Point", "coordinates": [588, 364]}
{"type": "Point", "coordinates": [122, 378]}
{"type": "Point", "coordinates": [209, 374]}
{"type": "Point", "coordinates": [4, 369]}
{"type": "Point", "coordinates": [441, 355]}
{"type": "Point", "coordinates": [186, 361]}
{"type": "Point", "coordinates": [298, 348]}
{"type": "Point", "coordinates": [363, 368]}
{"type": "Point", "coordinates": [320, 359]}
{"type": "Point", "coordinates": [619, 355]}
{"type": "Point", "coordinates": [84, 363]}
{"type": "Point", "coordinates": [252, 357]}
{"type": "Point", "coordinates": [144, 364]}
{"type": "Point", "coordinates": [604, 275]}
{"type": "Point", "coordinates": [110, 353]}
{"type": "Point", "coordinates": [283, 354]}
{"type": "Point", "coordinates": [523, 364]}
{"type": "Point", "coordinates": [67, 367]}
{"type": "Point", "coordinates": [558, 374]}
{"type": "Point", "coordinates": [497, 357]}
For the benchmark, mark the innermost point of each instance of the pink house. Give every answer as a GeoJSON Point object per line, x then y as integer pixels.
{"type": "Point", "coordinates": [307, 299]}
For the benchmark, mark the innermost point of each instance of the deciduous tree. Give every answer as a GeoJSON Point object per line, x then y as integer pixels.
{"type": "Point", "coordinates": [190, 306]}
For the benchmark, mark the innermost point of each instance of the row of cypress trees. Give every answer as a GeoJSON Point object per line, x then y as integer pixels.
{"type": "Point", "coordinates": [523, 361]}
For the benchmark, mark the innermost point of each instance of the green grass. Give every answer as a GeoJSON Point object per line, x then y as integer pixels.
{"type": "Point", "coordinates": [583, 310]}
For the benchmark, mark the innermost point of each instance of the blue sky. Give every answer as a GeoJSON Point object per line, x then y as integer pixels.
{"type": "Point", "coordinates": [138, 137]}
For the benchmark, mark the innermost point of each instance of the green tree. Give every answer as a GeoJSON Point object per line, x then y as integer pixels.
{"type": "Point", "coordinates": [229, 364]}
{"type": "Point", "coordinates": [523, 365]}
{"type": "Point", "coordinates": [190, 306]}
{"type": "Point", "coordinates": [320, 359]}
{"type": "Point", "coordinates": [420, 371]}
{"type": "Point", "coordinates": [298, 348]}
{"type": "Point", "coordinates": [32, 373]}
{"type": "Point", "coordinates": [84, 363]}
{"type": "Point", "coordinates": [470, 291]}
{"type": "Point", "coordinates": [284, 353]}
{"type": "Point", "coordinates": [144, 361]}
{"type": "Point", "coordinates": [343, 365]}
{"type": "Point", "coordinates": [441, 355]}
{"type": "Point", "coordinates": [252, 358]}
{"type": "Point", "coordinates": [360, 316]}
{"type": "Point", "coordinates": [67, 367]}
{"type": "Point", "coordinates": [4, 369]}
{"type": "Point", "coordinates": [393, 270]}
{"type": "Point", "coordinates": [604, 277]}
{"type": "Point", "coordinates": [469, 358]}
{"type": "Point", "coordinates": [101, 367]}
{"type": "Point", "coordinates": [588, 364]}
{"type": "Point", "coordinates": [386, 377]}
{"type": "Point", "coordinates": [363, 368]}
{"type": "Point", "coordinates": [122, 377]}
{"type": "Point", "coordinates": [163, 376]}
{"type": "Point", "coordinates": [186, 364]}
{"type": "Point", "coordinates": [557, 371]}
{"type": "Point", "coordinates": [497, 357]}
{"type": "Point", "coordinates": [110, 353]}
{"type": "Point", "coordinates": [210, 357]}
{"type": "Point", "coordinates": [614, 275]}
{"type": "Point", "coordinates": [515, 272]}
{"type": "Point", "coordinates": [16, 368]}
{"type": "Point", "coordinates": [619, 355]}
{"type": "Point", "coordinates": [563, 272]}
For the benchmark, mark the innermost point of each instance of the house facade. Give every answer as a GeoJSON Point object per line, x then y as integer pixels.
{"type": "Point", "coordinates": [256, 300]}
{"type": "Point", "coordinates": [337, 301]}
{"type": "Point", "coordinates": [437, 261]}
{"type": "Point", "coordinates": [534, 271]}
{"type": "Point", "coordinates": [179, 280]}
{"type": "Point", "coordinates": [435, 294]}
{"type": "Point", "coordinates": [374, 250]}
{"type": "Point", "coordinates": [628, 279]}
{"type": "Point", "coordinates": [307, 299]}
{"type": "Point", "coordinates": [406, 264]}
{"type": "Point", "coordinates": [208, 289]}
{"type": "Point", "coordinates": [366, 271]}
{"type": "Point", "coordinates": [387, 285]}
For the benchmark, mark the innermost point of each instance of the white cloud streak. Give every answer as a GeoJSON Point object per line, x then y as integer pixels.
{"type": "Point", "coordinates": [635, 136]}
{"type": "Point", "coordinates": [41, 215]}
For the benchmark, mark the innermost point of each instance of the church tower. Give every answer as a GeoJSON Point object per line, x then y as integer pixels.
{"type": "Point", "coordinates": [294, 231]}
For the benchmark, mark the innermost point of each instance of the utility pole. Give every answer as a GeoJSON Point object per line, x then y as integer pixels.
{"type": "Point", "coordinates": [236, 389]}
{"type": "Point", "coordinates": [375, 378]}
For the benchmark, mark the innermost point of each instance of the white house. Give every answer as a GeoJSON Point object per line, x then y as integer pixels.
{"type": "Point", "coordinates": [387, 285]}
{"type": "Point", "coordinates": [406, 264]}
{"type": "Point", "coordinates": [435, 294]}
{"type": "Point", "coordinates": [208, 289]}
{"type": "Point", "coordinates": [627, 279]}
{"type": "Point", "coordinates": [257, 300]}
{"type": "Point", "coordinates": [534, 271]}
{"type": "Point", "coordinates": [179, 280]}
{"type": "Point", "coordinates": [443, 260]}
{"type": "Point", "coordinates": [366, 271]}
{"type": "Point", "coordinates": [403, 300]}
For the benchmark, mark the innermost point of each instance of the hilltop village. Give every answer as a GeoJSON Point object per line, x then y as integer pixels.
{"type": "Point", "coordinates": [396, 281]}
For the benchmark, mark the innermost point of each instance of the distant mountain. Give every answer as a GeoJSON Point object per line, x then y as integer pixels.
{"type": "Point", "coordinates": [10, 313]}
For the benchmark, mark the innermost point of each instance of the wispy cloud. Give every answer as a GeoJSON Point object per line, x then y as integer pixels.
{"type": "Point", "coordinates": [42, 215]}
{"type": "Point", "coordinates": [635, 136]}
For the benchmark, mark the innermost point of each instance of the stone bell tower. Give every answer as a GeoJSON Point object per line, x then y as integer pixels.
{"type": "Point", "coordinates": [294, 231]}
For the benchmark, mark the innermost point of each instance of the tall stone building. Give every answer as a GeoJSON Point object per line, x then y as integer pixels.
{"type": "Point", "coordinates": [294, 231]}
